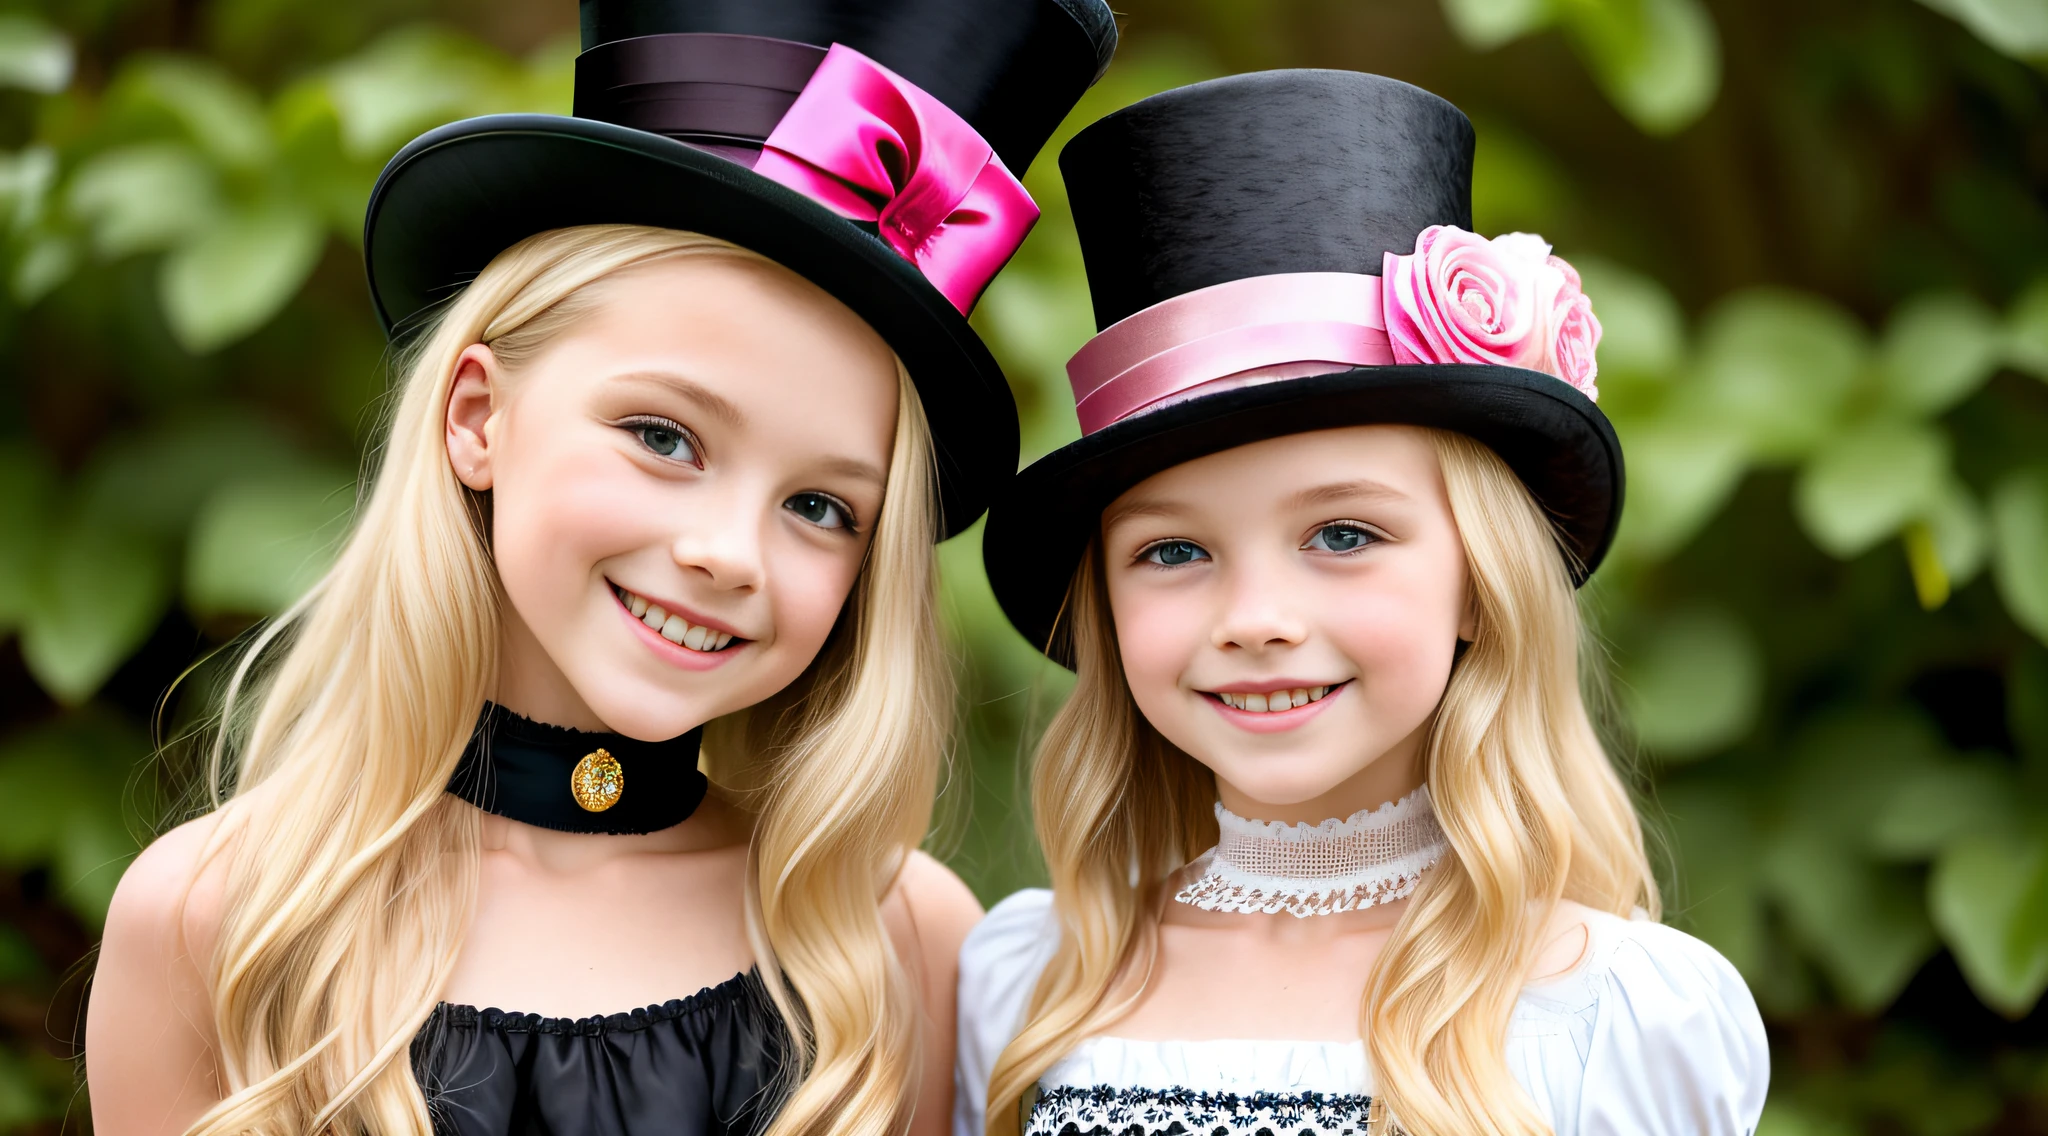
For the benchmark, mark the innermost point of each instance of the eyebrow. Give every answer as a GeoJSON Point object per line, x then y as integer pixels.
{"type": "Point", "coordinates": [1360, 490]}
{"type": "Point", "coordinates": [713, 403]}
{"type": "Point", "coordinates": [854, 468]}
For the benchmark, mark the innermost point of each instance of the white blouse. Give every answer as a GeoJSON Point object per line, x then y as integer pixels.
{"type": "Point", "coordinates": [1653, 1034]}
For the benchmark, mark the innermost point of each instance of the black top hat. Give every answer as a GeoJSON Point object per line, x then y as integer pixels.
{"type": "Point", "coordinates": [1200, 211]}
{"type": "Point", "coordinates": [675, 100]}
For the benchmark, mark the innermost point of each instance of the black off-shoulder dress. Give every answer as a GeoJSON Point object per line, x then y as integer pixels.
{"type": "Point", "coordinates": [705, 1065]}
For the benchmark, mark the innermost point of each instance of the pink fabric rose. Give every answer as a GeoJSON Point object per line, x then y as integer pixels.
{"type": "Point", "coordinates": [1461, 298]}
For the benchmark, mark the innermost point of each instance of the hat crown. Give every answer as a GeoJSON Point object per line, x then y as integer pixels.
{"type": "Point", "coordinates": [1011, 68]}
{"type": "Point", "coordinates": [1261, 174]}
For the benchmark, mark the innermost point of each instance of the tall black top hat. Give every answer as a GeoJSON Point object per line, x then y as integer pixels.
{"type": "Point", "coordinates": [1265, 257]}
{"type": "Point", "coordinates": [731, 118]}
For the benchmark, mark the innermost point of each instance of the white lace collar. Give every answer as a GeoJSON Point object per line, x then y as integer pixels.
{"type": "Point", "coordinates": [1371, 857]}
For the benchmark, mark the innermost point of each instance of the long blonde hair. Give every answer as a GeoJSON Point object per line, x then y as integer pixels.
{"type": "Point", "coordinates": [1532, 807]}
{"type": "Point", "coordinates": [353, 874]}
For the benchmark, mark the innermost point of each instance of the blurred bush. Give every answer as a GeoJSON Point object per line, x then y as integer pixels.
{"type": "Point", "coordinates": [1817, 238]}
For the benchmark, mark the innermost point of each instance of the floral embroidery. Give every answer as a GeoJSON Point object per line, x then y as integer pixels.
{"type": "Point", "coordinates": [1101, 1110]}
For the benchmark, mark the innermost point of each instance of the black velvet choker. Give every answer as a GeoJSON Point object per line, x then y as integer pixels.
{"type": "Point", "coordinates": [572, 781]}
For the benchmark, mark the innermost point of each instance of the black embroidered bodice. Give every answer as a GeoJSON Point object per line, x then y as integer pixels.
{"type": "Point", "coordinates": [705, 1065]}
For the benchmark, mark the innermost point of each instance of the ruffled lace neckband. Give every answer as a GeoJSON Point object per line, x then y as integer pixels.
{"type": "Point", "coordinates": [1371, 857]}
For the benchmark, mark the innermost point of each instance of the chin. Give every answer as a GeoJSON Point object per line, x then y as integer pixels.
{"type": "Point", "coordinates": [650, 717]}
{"type": "Point", "coordinates": [1285, 787]}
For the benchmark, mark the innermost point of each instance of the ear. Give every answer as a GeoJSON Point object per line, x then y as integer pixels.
{"type": "Point", "coordinates": [1468, 621]}
{"type": "Point", "coordinates": [473, 401]}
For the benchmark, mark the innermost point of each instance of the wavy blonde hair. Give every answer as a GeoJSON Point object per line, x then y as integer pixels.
{"type": "Point", "coordinates": [1532, 807]}
{"type": "Point", "coordinates": [353, 875]}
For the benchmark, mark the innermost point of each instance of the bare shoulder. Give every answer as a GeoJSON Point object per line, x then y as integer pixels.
{"type": "Point", "coordinates": [149, 1043]}
{"type": "Point", "coordinates": [175, 892]}
{"type": "Point", "coordinates": [930, 910]}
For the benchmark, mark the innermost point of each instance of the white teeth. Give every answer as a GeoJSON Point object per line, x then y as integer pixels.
{"type": "Point", "coordinates": [673, 628]}
{"type": "Point", "coordinates": [1273, 702]}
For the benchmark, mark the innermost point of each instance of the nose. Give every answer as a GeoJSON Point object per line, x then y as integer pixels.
{"type": "Point", "coordinates": [1259, 612]}
{"type": "Point", "coordinates": [722, 545]}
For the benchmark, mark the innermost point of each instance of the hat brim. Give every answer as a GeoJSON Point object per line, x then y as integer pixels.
{"type": "Point", "coordinates": [1549, 433]}
{"type": "Point", "coordinates": [458, 196]}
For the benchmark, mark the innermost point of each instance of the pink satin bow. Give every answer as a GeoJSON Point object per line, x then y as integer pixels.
{"type": "Point", "coordinates": [869, 145]}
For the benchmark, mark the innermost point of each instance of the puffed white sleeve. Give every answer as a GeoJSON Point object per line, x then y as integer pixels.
{"type": "Point", "coordinates": [1675, 1045]}
{"type": "Point", "coordinates": [999, 966]}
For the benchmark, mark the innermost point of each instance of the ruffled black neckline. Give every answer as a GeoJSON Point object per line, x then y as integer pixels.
{"type": "Point", "coordinates": [742, 987]}
{"type": "Point", "coordinates": [529, 771]}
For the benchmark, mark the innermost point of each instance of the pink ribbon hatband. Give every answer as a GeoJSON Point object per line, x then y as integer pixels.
{"type": "Point", "coordinates": [869, 145]}
{"type": "Point", "coordinates": [1259, 329]}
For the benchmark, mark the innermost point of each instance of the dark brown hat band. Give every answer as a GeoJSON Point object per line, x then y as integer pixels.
{"type": "Point", "coordinates": [710, 89]}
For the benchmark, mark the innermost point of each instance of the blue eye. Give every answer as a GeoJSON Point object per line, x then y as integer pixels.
{"type": "Point", "coordinates": [1341, 538]}
{"type": "Point", "coordinates": [1174, 553]}
{"type": "Point", "coordinates": [665, 438]}
{"type": "Point", "coordinates": [821, 510]}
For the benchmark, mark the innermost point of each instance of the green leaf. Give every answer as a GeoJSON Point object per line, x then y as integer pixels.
{"type": "Point", "coordinates": [2019, 525]}
{"type": "Point", "coordinates": [1714, 840]}
{"type": "Point", "coordinates": [1642, 329]}
{"type": "Point", "coordinates": [1483, 25]}
{"type": "Point", "coordinates": [411, 79]}
{"type": "Point", "coordinates": [155, 481]}
{"type": "Point", "coordinates": [1989, 896]}
{"type": "Point", "coordinates": [47, 261]}
{"type": "Point", "coordinates": [1937, 350]}
{"type": "Point", "coordinates": [221, 116]}
{"type": "Point", "coordinates": [25, 181]}
{"type": "Point", "coordinates": [2018, 28]}
{"type": "Point", "coordinates": [1518, 185]}
{"type": "Point", "coordinates": [26, 484]}
{"type": "Point", "coordinates": [143, 198]}
{"type": "Point", "coordinates": [1930, 808]}
{"type": "Point", "coordinates": [258, 545]}
{"type": "Point", "coordinates": [65, 803]}
{"type": "Point", "coordinates": [103, 589]}
{"type": "Point", "coordinates": [1681, 470]}
{"type": "Point", "coordinates": [1695, 686]}
{"type": "Point", "coordinates": [1658, 61]}
{"type": "Point", "coordinates": [236, 276]}
{"type": "Point", "coordinates": [33, 55]}
{"type": "Point", "coordinates": [1961, 535]}
{"type": "Point", "coordinates": [1778, 365]}
{"type": "Point", "coordinates": [2026, 331]}
{"type": "Point", "coordinates": [1860, 921]}
{"type": "Point", "coordinates": [1866, 484]}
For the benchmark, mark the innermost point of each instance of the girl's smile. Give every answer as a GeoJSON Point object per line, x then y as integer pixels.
{"type": "Point", "coordinates": [689, 641]}
{"type": "Point", "coordinates": [1270, 708]}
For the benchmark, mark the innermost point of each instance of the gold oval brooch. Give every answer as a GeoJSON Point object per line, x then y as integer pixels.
{"type": "Point", "coordinates": [597, 781]}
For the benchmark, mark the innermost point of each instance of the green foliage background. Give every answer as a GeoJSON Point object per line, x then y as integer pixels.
{"type": "Point", "coordinates": [1817, 235]}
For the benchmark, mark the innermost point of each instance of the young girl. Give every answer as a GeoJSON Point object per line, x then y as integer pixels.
{"type": "Point", "coordinates": [672, 446]}
{"type": "Point", "coordinates": [1313, 564]}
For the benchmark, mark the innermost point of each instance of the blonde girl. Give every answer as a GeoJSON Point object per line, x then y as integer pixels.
{"type": "Point", "coordinates": [672, 443]}
{"type": "Point", "coordinates": [1333, 842]}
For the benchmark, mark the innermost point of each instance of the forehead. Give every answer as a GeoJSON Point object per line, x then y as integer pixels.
{"type": "Point", "coordinates": [762, 338]}
{"type": "Point", "coordinates": [1260, 474]}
